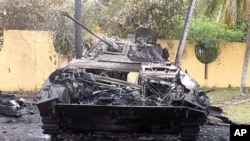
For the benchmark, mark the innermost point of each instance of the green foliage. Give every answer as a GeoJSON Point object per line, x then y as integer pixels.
{"type": "Point", "coordinates": [207, 34]}
{"type": "Point", "coordinates": [124, 17]}
{"type": "Point", "coordinates": [62, 27]}
{"type": "Point", "coordinates": [41, 15]}
{"type": "Point", "coordinates": [63, 37]}
{"type": "Point", "coordinates": [242, 25]}
{"type": "Point", "coordinates": [223, 11]}
{"type": "Point", "coordinates": [24, 15]}
{"type": "Point", "coordinates": [92, 14]}
{"type": "Point", "coordinates": [206, 53]}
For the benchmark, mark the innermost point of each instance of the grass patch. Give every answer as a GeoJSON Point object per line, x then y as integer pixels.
{"type": "Point", "coordinates": [226, 94]}
{"type": "Point", "coordinates": [229, 100]}
{"type": "Point", "coordinates": [239, 113]}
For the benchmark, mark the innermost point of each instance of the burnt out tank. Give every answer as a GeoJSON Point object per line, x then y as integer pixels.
{"type": "Point", "coordinates": [92, 94]}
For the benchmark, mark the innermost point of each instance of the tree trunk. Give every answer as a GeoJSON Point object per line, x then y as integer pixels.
{"type": "Point", "coordinates": [246, 57]}
{"type": "Point", "coordinates": [184, 32]}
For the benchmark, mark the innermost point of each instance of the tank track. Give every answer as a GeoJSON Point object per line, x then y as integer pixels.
{"type": "Point", "coordinates": [190, 133]}
{"type": "Point", "coordinates": [51, 127]}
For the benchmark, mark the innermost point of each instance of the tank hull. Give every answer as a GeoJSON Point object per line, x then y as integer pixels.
{"type": "Point", "coordinates": [93, 94]}
{"type": "Point", "coordinates": [156, 119]}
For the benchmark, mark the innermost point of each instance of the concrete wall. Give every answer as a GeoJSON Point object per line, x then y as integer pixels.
{"type": "Point", "coordinates": [28, 57]}
{"type": "Point", "coordinates": [223, 72]}
{"type": "Point", "coordinates": [26, 60]}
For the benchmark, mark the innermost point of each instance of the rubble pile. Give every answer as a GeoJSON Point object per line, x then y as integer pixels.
{"type": "Point", "coordinates": [12, 105]}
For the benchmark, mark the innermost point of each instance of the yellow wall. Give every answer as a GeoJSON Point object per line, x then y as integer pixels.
{"type": "Point", "coordinates": [223, 72]}
{"type": "Point", "coordinates": [26, 60]}
{"type": "Point", "coordinates": [28, 57]}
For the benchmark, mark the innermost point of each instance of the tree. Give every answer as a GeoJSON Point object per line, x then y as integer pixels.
{"type": "Point", "coordinates": [98, 12]}
{"type": "Point", "coordinates": [62, 28]}
{"type": "Point", "coordinates": [207, 34]}
{"type": "Point", "coordinates": [160, 15]}
{"type": "Point", "coordinates": [184, 32]}
{"type": "Point", "coordinates": [41, 15]}
{"type": "Point", "coordinates": [246, 56]}
{"type": "Point", "coordinates": [25, 15]}
{"type": "Point", "coordinates": [230, 12]}
{"type": "Point", "coordinates": [224, 11]}
{"type": "Point", "coordinates": [63, 36]}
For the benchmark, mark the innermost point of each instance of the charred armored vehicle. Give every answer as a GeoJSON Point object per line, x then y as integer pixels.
{"type": "Point", "coordinates": [93, 94]}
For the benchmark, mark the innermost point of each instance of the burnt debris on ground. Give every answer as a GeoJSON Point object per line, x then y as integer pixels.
{"type": "Point", "coordinates": [12, 105]}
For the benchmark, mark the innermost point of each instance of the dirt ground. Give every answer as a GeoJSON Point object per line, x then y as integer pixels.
{"type": "Point", "coordinates": [28, 127]}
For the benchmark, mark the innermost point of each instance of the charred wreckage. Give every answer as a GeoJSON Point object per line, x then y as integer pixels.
{"type": "Point", "coordinates": [93, 94]}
